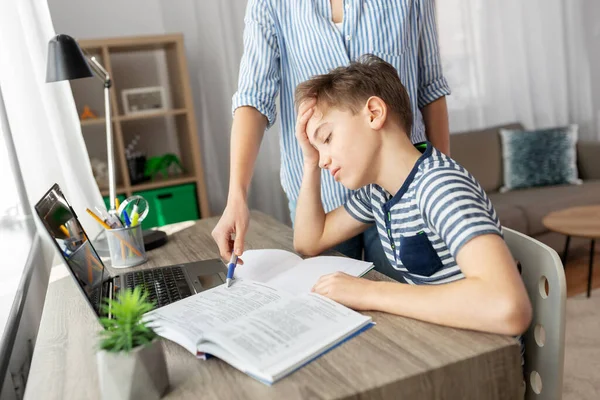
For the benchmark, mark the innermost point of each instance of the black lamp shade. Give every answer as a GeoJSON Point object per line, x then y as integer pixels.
{"type": "Point", "coordinates": [66, 60]}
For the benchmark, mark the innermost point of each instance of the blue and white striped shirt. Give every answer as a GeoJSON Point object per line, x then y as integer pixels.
{"type": "Point", "coordinates": [438, 209]}
{"type": "Point", "coordinates": [287, 42]}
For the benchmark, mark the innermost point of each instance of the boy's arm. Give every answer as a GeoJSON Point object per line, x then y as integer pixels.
{"type": "Point", "coordinates": [432, 85]}
{"type": "Point", "coordinates": [315, 231]}
{"type": "Point", "coordinates": [491, 298]}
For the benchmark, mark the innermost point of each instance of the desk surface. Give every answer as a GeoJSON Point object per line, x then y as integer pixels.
{"type": "Point", "coordinates": [399, 357]}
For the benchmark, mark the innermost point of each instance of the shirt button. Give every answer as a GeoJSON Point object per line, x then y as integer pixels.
{"type": "Point", "coordinates": [348, 37]}
{"type": "Point", "coordinates": [347, 6]}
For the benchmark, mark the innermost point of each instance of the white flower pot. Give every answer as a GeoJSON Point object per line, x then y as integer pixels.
{"type": "Point", "coordinates": [140, 374]}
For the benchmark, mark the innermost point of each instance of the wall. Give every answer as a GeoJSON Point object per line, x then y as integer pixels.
{"type": "Point", "coordinates": [106, 18]}
{"type": "Point", "coordinates": [113, 18]}
{"type": "Point", "coordinates": [212, 32]}
{"type": "Point", "coordinates": [591, 21]}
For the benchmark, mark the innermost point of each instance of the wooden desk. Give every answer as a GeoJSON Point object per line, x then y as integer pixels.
{"type": "Point", "coordinates": [398, 358]}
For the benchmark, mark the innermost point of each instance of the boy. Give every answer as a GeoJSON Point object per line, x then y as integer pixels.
{"type": "Point", "coordinates": [437, 226]}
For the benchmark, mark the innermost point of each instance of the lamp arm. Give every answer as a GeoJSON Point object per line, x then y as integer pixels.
{"type": "Point", "coordinates": [100, 71]}
{"type": "Point", "coordinates": [103, 74]}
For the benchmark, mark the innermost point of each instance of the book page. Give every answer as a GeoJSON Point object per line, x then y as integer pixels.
{"type": "Point", "coordinates": [265, 265]}
{"type": "Point", "coordinates": [285, 332]}
{"type": "Point", "coordinates": [192, 316]}
{"type": "Point", "coordinates": [304, 275]}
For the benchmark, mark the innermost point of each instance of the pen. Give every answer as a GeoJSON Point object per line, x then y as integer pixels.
{"type": "Point", "coordinates": [231, 268]}
{"type": "Point", "coordinates": [126, 219]}
{"type": "Point", "coordinates": [114, 221]}
{"type": "Point", "coordinates": [106, 226]}
{"type": "Point", "coordinates": [134, 214]}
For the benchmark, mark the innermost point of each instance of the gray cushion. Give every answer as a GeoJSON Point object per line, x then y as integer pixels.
{"type": "Point", "coordinates": [480, 153]}
{"type": "Point", "coordinates": [543, 157]}
{"type": "Point", "coordinates": [536, 203]}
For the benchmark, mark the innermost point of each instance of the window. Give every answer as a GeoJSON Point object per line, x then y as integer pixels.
{"type": "Point", "coordinates": [458, 23]}
{"type": "Point", "coordinates": [10, 208]}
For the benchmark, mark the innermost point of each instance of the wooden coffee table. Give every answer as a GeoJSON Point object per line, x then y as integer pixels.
{"type": "Point", "coordinates": [581, 222]}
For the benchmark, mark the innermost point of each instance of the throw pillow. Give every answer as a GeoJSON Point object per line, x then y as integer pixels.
{"type": "Point", "coordinates": [541, 157]}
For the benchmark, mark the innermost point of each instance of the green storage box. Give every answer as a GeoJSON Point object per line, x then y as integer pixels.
{"type": "Point", "coordinates": [171, 204]}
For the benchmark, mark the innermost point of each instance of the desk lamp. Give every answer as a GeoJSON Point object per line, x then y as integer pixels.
{"type": "Point", "coordinates": [67, 62]}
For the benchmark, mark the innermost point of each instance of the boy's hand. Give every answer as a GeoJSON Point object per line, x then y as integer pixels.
{"type": "Point", "coordinates": [305, 111]}
{"type": "Point", "coordinates": [348, 290]}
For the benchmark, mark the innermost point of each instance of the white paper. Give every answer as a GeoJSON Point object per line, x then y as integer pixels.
{"type": "Point", "coordinates": [264, 265]}
{"type": "Point", "coordinates": [285, 332]}
{"type": "Point", "coordinates": [194, 315]}
{"type": "Point", "coordinates": [287, 271]}
{"type": "Point", "coordinates": [303, 277]}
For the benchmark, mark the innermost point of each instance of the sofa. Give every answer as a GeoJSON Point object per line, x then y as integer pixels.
{"type": "Point", "coordinates": [480, 152]}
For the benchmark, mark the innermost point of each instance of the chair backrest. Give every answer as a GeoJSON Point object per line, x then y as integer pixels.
{"type": "Point", "coordinates": [544, 277]}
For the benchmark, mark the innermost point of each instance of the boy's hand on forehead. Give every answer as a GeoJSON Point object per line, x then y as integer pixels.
{"type": "Point", "coordinates": [305, 112]}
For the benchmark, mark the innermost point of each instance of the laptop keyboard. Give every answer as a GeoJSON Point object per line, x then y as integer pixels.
{"type": "Point", "coordinates": [163, 285]}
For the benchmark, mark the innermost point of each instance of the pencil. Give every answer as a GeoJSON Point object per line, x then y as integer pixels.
{"type": "Point", "coordinates": [97, 218]}
{"type": "Point", "coordinates": [65, 231]}
{"type": "Point", "coordinates": [105, 225]}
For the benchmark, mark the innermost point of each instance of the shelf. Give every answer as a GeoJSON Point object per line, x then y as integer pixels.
{"type": "Point", "coordinates": [141, 61]}
{"type": "Point", "coordinates": [135, 117]}
{"type": "Point", "coordinates": [133, 43]}
{"type": "Point", "coordinates": [106, 192]}
{"type": "Point", "coordinates": [158, 183]}
{"type": "Point", "coordinates": [164, 113]}
{"type": "Point", "coordinates": [94, 121]}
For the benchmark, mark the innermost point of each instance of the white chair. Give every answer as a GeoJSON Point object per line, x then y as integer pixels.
{"type": "Point", "coordinates": [543, 274]}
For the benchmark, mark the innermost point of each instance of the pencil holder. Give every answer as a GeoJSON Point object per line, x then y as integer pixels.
{"type": "Point", "coordinates": [126, 246]}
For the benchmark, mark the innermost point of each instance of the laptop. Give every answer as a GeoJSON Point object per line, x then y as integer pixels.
{"type": "Point", "coordinates": [163, 285]}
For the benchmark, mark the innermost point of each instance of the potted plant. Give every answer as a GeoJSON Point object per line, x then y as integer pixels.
{"type": "Point", "coordinates": [131, 363]}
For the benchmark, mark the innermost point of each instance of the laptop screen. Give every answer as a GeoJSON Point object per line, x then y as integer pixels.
{"type": "Point", "coordinates": [73, 244]}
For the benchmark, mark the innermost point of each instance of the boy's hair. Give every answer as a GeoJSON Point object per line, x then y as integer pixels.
{"type": "Point", "coordinates": [349, 87]}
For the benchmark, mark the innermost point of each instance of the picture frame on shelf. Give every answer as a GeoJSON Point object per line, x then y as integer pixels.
{"type": "Point", "coordinates": [143, 100]}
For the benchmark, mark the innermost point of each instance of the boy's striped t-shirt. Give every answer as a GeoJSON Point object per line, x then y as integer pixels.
{"type": "Point", "coordinates": [438, 209]}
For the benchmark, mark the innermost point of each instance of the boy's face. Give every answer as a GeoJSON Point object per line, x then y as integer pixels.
{"type": "Point", "coordinates": [346, 143]}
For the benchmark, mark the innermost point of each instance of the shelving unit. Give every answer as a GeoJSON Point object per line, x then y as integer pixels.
{"type": "Point", "coordinates": [144, 61]}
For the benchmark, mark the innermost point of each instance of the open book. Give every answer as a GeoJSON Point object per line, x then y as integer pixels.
{"type": "Point", "coordinates": [262, 331]}
{"type": "Point", "coordinates": [287, 271]}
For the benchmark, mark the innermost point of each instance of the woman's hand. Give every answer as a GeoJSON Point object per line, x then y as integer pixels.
{"type": "Point", "coordinates": [305, 111]}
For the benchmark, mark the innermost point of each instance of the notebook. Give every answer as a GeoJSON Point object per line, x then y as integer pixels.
{"type": "Point", "coordinates": [262, 331]}
{"type": "Point", "coordinates": [268, 323]}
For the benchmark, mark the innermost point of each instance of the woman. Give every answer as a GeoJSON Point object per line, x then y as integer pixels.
{"type": "Point", "coordinates": [287, 42]}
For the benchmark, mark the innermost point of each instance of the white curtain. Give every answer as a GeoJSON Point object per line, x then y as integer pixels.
{"type": "Point", "coordinates": [213, 40]}
{"type": "Point", "coordinates": [516, 61]}
{"type": "Point", "coordinates": [42, 116]}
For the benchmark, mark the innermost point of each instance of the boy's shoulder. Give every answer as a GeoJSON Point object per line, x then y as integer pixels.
{"type": "Point", "coordinates": [444, 173]}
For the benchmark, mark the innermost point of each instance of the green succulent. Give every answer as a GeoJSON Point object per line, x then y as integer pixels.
{"type": "Point", "coordinates": [125, 330]}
